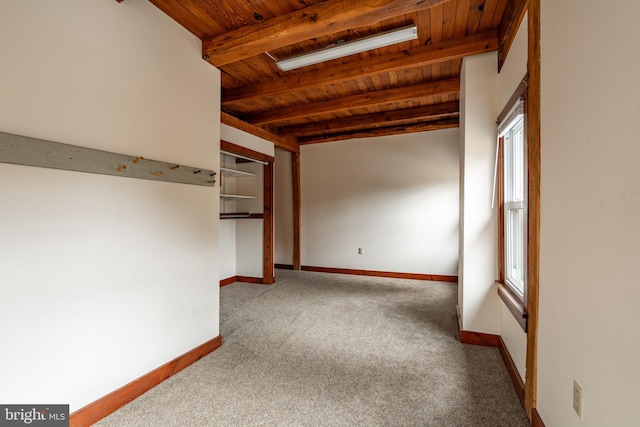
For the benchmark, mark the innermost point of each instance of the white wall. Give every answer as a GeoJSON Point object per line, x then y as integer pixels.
{"type": "Point", "coordinates": [590, 237]}
{"type": "Point", "coordinates": [241, 239]}
{"type": "Point", "coordinates": [228, 250]}
{"type": "Point", "coordinates": [395, 197]}
{"type": "Point", "coordinates": [513, 71]}
{"type": "Point", "coordinates": [515, 65]}
{"type": "Point", "coordinates": [283, 251]}
{"type": "Point", "coordinates": [477, 299]}
{"type": "Point", "coordinates": [246, 140]}
{"type": "Point", "coordinates": [103, 278]}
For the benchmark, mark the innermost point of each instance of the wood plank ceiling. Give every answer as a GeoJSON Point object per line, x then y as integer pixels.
{"type": "Point", "coordinates": [408, 87]}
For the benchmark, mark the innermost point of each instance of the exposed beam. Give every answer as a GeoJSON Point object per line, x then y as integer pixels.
{"type": "Point", "coordinates": [418, 57]}
{"type": "Point", "coordinates": [286, 144]}
{"type": "Point", "coordinates": [307, 23]}
{"type": "Point", "coordinates": [368, 121]}
{"type": "Point", "coordinates": [369, 99]}
{"type": "Point", "coordinates": [391, 130]}
{"type": "Point", "coordinates": [511, 18]}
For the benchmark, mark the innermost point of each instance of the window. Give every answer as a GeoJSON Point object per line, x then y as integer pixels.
{"type": "Point", "coordinates": [512, 198]}
{"type": "Point", "coordinates": [513, 147]}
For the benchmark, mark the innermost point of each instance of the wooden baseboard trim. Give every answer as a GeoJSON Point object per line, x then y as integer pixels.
{"type": "Point", "coordinates": [228, 281]}
{"type": "Point", "coordinates": [245, 279]}
{"type": "Point", "coordinates": [536, 420]}
{"type": "Point", "coordinates": [284, 266]}
{"type": "Point", "coordinates": [102, 407]}
{"type": "Point", "coordinates": [390, 274]}
{"type": "Point", "coordinates": [518, 383]}
{"type": "Point", "coordinates": [248, 279]}
{"type": "Point", "coordinates": [479, 338]}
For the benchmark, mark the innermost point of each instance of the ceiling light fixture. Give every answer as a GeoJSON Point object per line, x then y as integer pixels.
{"type": "Point", "coordinates": [349, 48]}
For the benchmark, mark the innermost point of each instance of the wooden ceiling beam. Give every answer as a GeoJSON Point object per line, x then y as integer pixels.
{"type": "Point", "coordinates": [324, 18]}
{"type": "Point", "coordinates": [397, 61]}
{"type": "Point", "coordinates": [369, 99]}
{"type": "Point", "coordinates": [385, 131]}
{"type": "Point", "coordinates": [369, 121]}
{"type": "Point", "coordinates": [284, 143]}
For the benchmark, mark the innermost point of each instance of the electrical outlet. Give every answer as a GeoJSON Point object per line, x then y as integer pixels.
{"type": "Point", "coordinates": [359, 251]}
{"type": "Point", "coordinates": [577, 398]}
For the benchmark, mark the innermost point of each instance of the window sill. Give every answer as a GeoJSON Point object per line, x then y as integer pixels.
{"type": "Point", "coordinates": [515, 306]}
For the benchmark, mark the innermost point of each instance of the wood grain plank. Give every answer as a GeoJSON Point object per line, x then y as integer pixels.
{"type": "Point", "coordinates": [304, 24]}
{"type": "Point", "coordinates": [246, 152]}
{"type": "Point", "coordinates": [397, 61]}
{"type": "Point", "coordinates": [499, 13]}
{"type": "Point", "coordinates": [479, 338]}
{"type": "Point", "coordinates": [392, 130]}
{"type": "Point", "coordinates": [449, 21]}
{"type": "Point", "coordinates": [403, 116]}
{"type": "Point", "coordinates": [437, 24]}
{"type": "Point", "coordinates": [488, 12]}
{"type": "Point", "coordinates": [185, 17]}
{"type": "Point", "coordinates": [462, 17]}
{"type": "Point", "coordinates": [475, 14]}
{"type": "Point", "coordinates": [249, 279]}
{"type": "Point", "coordinates": [268, 276]}
{"type": "Point", "coordinates": [440, 87]}
{"type": "Point", "coordinates": [533, 194]}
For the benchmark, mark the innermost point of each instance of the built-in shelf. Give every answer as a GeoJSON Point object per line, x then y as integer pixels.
{"type": "Point", "coordinates": [241, 215]}
{"type": "Point", "coordinates": [228, 172]}
{"type": "Point", "coordinates": [235, 173]}
{"type": "Point", "coordinates": [236, 196]}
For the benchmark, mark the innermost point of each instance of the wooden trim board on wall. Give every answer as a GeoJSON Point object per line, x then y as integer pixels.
{"type": "Point", "coordinates": [479, 338]}
{"type": "Point", "coordinates": [532, 111]}
{"type": "Point", "coordinates": [243, 151]}
{"type": "Point", "coordinates": [268, 227]}
{"type": "Point", "coordinates": [243, 279]}
{"type": "Point", "coordinates": [295, 187]}
{"type": "Point", "coordinates": [228, 281]}
{"type": "Point", "coordinates": [249, 279]}
{"type": "Point", "coordinates": [102, 407]}
{"type": "Point", "coordinates": [518, 383]}
{"type": "Point", "coordinates": [390, 274]}
{"type": "Point", "coordinates": [536, 420]}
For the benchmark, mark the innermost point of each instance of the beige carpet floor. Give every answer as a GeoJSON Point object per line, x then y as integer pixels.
{"type": "Point", "coordinates": [334, 350]}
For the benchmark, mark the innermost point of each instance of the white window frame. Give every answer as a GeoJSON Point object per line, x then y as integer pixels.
{"type": "Point", "coordinates": [514, 178]}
